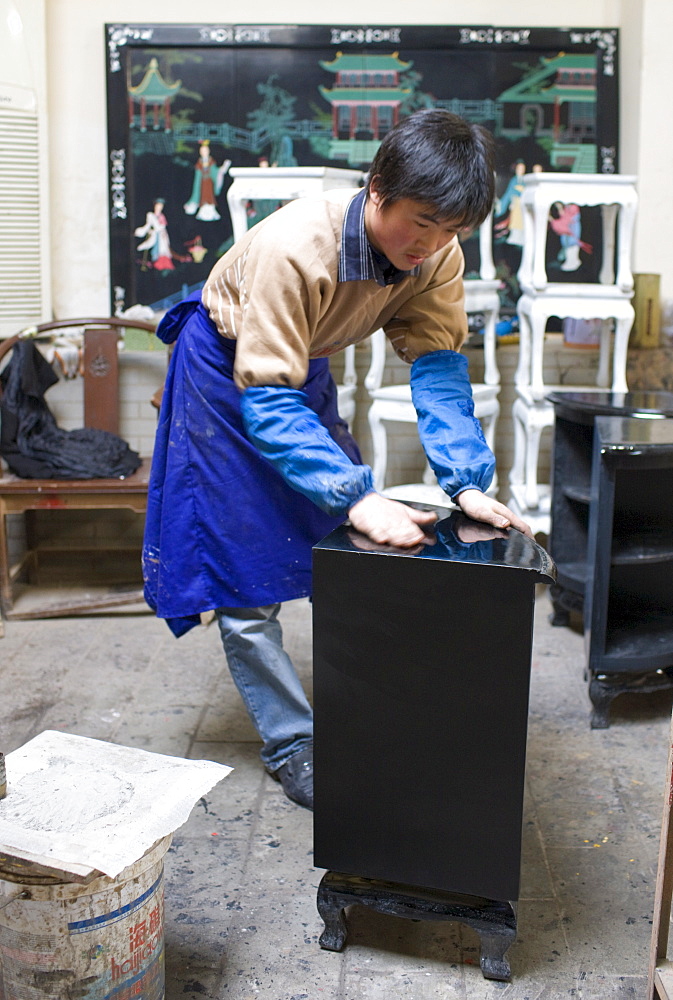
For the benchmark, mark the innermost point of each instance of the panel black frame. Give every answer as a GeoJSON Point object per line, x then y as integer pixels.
{"type": "Point", "coordinates": [127, 43]}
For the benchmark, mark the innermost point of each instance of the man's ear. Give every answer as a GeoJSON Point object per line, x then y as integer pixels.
{"type": "Point", "coordinates": [373, 192]}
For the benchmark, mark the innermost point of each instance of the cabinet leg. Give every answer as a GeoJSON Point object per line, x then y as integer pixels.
{"type": "Point", "coordinates": [331, 909]}
{"type": "Point", "coordinates": [560, 616]}
{"type": "Point", "coordinates": [600, 700]}
{"type": "Point", "coordinates": [563, 602]}
{"type": "Point", "coordinates": [604, 688]}
{"type": "Point", "coordinates": [494, 944]}
{"type": "Point", "coordinates": [493, 920]}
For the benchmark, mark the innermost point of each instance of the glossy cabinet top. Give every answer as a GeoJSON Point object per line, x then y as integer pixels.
{"type": "Point", "coordinates": [640, 403]}
{"type": "Point", "coordinates": [457, 539]}
{"type": "Point", "coordinates": [635, 435]}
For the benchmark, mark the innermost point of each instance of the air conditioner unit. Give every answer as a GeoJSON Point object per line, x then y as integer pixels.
{"type": "Point", "coordinates": [25, 292]}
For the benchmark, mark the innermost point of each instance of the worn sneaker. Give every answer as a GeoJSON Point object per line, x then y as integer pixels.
{"type": "Point", "coordinates": [296, 777]}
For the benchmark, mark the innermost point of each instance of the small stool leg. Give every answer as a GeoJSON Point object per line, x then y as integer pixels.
{"type": "Point", "coordinates": [380, 446]}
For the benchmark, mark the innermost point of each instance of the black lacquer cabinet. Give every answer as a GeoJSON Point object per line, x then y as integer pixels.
{"type": "Point", "coordinates": [612, 537]}
{"type": "Point", "coordinates": [421, 675]}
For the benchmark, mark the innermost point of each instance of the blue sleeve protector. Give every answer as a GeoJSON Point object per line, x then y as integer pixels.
{"type": "Point", "coordinates": [289, 434]}
{"type": "Point", "coordinates": [450, 433]}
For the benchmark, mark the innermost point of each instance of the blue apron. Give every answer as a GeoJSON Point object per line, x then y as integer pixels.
{"type": "Point", "coordinates": [223, 529]}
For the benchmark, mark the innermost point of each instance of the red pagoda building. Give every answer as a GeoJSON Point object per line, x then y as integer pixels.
{"type": "Point", "coordinates": [366, 99]}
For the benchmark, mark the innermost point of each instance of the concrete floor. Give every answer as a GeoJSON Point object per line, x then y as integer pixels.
{"type": "Point", "coordinates": [241, 920]}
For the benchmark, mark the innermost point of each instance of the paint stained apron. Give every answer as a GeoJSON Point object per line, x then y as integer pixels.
{"type": "Point", "coordinates": [223, 529]}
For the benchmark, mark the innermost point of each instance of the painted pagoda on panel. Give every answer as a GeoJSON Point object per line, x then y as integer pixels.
{"type": "Point", "coordinates": [152, 92]}
{"type": "Point", "coordinates": [556, 102]}
{"type": "Point", "coordinates": [365, 99]}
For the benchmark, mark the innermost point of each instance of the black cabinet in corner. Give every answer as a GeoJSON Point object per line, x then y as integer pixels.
{"type": "Point", "coordinates": [612, 538]}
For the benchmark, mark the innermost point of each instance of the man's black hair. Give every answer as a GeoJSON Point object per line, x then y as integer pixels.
{"type": "Point", "coordinates": [436, 157]}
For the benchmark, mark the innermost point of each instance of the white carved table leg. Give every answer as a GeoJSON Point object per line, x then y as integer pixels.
{"type": "Point", "coordinates": [609, 216]}
{"type": "Point", "coordinates": [380, 446]}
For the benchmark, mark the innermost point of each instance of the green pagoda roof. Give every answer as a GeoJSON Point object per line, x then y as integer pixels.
{"type": "Point", "coordinates": [153, 87]}
{"type": "Point", "coordinates": [533, 88]}
{"type": "Point", "coordinates": [369, 62]}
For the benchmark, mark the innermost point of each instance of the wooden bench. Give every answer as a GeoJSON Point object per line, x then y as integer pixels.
{"type": "Point", "coordinates": [101, 585]}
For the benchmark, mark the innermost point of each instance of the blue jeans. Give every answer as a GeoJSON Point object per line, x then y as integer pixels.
{"type": "Point", "coordinates": [267, 681]}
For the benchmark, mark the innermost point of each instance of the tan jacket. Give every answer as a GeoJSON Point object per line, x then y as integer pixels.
{"type": "Point", "coordinates": [276, 293]}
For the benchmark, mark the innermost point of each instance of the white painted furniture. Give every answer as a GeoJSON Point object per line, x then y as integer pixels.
{"type": "Point", "coordinates": [392, 403]}
{"type": "Point", "coordinates": [281, 184]}
{"type": "Point", "coordinates": [609, 300]}
{"type": "Point", "coordinates": [347, 388]}
{"type": "Point", "coordinates": [286, 184]}
{"type": "Point", "coordinates": [615, 194]}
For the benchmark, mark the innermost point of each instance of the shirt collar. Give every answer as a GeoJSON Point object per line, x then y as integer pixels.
{"type": "Point", "coordinates": [358, 260]}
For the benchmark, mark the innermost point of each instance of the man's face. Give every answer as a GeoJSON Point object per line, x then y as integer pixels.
{"type": "Point", "coordinates": [406, 231]}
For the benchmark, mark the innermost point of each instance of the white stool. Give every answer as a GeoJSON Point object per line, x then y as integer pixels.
{"type": "Point", "coordinates": [617, 196]}
{"type": "Point", "coordinates": [281, 184]}
{"type": "Point", "coordinates": [347, 388]}
{"type": "Point", "coordinates": [393, 402]}
{"type": "Point", "coordinates": [608, 300]}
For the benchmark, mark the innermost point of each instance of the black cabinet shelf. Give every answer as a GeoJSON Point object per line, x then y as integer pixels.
{"type": "Point", "coordinates": [582, 494]}
{"type": "Point", "coordinates": [639, 647]}
{"type": "Point", "coordinates": [612, 537]}
{"type": "Point", "coordinates": [652, 546]}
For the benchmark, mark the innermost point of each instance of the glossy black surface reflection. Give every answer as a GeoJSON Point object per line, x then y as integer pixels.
{"type": "Point", "coordinates": [630, 434]}
{"type": "Point", "coordinates": [457, 538]}
{"type": "Point", "coordinates": [582, 407]}
{"type": "Point", "coordinates": [421, 673]}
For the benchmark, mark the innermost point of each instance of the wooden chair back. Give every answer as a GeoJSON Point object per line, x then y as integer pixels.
{"type": "Point", "coordinates": [99, 365]}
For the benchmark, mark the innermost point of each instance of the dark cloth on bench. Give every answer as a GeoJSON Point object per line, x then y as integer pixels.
{"type": "Point", "coordinates": [32, 443]}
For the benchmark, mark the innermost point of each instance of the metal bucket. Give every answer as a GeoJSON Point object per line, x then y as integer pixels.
{"type": "Point", "coordinates": [102, 940]}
